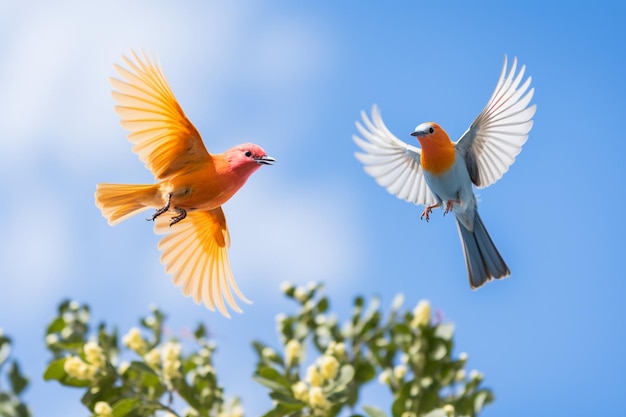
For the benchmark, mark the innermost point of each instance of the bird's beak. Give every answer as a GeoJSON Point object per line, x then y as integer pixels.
{"type": "Point", "coordinates": [266, 160]}
{"type": "Point", "coordinates": [418, 133]}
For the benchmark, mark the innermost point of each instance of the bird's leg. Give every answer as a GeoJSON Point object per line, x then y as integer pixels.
{"type": "Point", "coordinates": [428, 210]}
{"type": "Point", "coordinates": [162, 210]}
{"type": "Point", "coordinates": [182, 213]}
{"type": "Point", "coordinates": [450, 206]}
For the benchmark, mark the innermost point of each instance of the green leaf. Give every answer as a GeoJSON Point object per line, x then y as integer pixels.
{"type": "Point", "coordinates": [437, 412]}
{"type": "Point", "coordinates": [142, 368]}
{"type": "Point", "coordinates": [272, 379]}
{"type": "Point", "coordinates": [55, 370]}
{"type": "Point", "coordinates": [287, 401]}
{"type": "Point", "coordinates": [280, 411]}
{"type": "Point", "coordinates": [399, 405]}
{"type": "Point", "coordinates": [346, 374]}
{"type": "Point", "coordinates": [480, 400]}
{"type": "Point", "coordinates": [438, 352]}
{"type": "Point", "coordinates": [125, 406]}
{"type": "Point", "coordinates": [18, 381]}
{"type": "Point", "coordinates": [373, 411]}
{"type": "Point", "coordinates": [365, 371]}
{"type": "Point", "coordinates": [200, 332]}
{"type": "Point", "coordinates": [56, 326]}
{"type": "Point", "coordinates": [322, 306]}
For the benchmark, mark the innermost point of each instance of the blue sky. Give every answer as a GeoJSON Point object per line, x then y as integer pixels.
{"type": "Point", "coordinates": [293, 77]}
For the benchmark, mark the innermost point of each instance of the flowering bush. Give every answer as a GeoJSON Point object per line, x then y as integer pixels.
{"type": "Point", "coordinates": [317, 369]}
{"type": "Point", "coordinates": [11, 404]}
{"type": "Point", "coordinates": [411, 353]}
{"type": "Point", "coordinates": [156, 372]}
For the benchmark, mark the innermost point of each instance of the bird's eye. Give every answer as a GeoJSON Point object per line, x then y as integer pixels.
{"type": "Point", "coordinates": [431, 130]}
{"type": "Point", "coordinates": [248, 153]}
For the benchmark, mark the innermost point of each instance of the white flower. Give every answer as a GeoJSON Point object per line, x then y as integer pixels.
{"type": "Point", "coordinates": [300, 391]}
{"type": "Point", "coordinates": [122, 367]}
{"type": "Point", "coordinates": [76, 368]}
{"type": "Point", "coordinates": [51, 339]}
{"type": "Point", "coordinates": [134, 341]}
{"type": "Point", "coordinates": [399, 371]}
{"type": "Point", "coordinates": [94, 354]}
{"type": "Point", "coordinates": [317, 399]}
{"type": "Point", "coordinates": [421, 314]}
{"type": "Point", "coordinates": [449, 410]}
{"type": "Point", "coordinates": [170, 355]}
{"type": "Point", "coordinates": [385, 377]}
{"type": "Point", "coordinates": [460, 375]}
{"type": "Point", "coordinates": [329, 366]}
{"type": "Point", "coordinates": [171, 351]}
{"type": "Point", "coordinates": [68, 317]}
{"type": "Point", "coordinates": [286, 286]}
{"type": "Point", "coordinates": [293, 352]}
{"type": "Point", "coordinates": [153, 358]}
{"type": "Point", "coordinates": [102, 409]}
{"type": "Point", "coordinates": [83, 316]}
{"type": "Point", "coordinates": [474, 374]}
{"type": "Point", "coordinates": [300, 294]}
{"type": "Point", "coordinates": [66, 332]}
{"type": "Point", "coordinates": [268, 353]}
{"type": "Point", "coordinates": [313, 376]}
{"type": "Point", "coordinates": [463, 356]}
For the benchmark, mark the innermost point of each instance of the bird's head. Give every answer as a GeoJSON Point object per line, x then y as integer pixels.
{"type": "Point", "coordinates": [430, 131]}
{"type": "Point", "coordinates": [248, 157]}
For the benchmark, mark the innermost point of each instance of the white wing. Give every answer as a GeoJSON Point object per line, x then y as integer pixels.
{"type": "Point", "coordinates": [394, 164]}
{"type": "Point", "coordinates": [494, 139]}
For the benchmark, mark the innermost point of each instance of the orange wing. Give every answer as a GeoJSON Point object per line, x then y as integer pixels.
{"type": "Point", "coordinates": [196, 253]}
{"type": "Point", "coordinates": [165, 140]}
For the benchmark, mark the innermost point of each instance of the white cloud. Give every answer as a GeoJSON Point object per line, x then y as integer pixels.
{"type": "Point", "coordinates": [297, 232]}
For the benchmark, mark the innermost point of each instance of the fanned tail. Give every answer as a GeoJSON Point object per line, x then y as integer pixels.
{"type": "Point", "coordinates": [483, 260]}
{"type": "Point", "coordinates": [121, 201]}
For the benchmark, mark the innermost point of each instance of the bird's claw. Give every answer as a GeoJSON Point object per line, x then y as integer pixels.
{"type": "Point", "coordinates": [182, 213]}
{"type": "Point", "coordinates": [427, 211]}
{"type": "Point", "coordinates": [162, 210]}
{"type": "Point", "coordinates": [450, 206]}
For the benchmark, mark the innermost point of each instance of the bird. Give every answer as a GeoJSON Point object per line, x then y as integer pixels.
{"type": "Point", "coordinates": [191, 184]}
{"type": "Point", "coordinates": [441, 172]}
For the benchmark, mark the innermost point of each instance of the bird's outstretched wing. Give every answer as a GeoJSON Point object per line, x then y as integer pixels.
{"type": "Point", "coordinates": [195, 253]}
{"type": "Point", "coordinates": [494, 139]}
{"type": "Point", "coordinates": [165, 140]}
{"type": "Point", "coordinates": [393, 163]}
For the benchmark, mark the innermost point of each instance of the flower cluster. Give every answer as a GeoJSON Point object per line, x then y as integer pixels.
{"type": "Point", "coordinates": [75, 367]}
{"type": "Point", "coordinates": [134, 341]}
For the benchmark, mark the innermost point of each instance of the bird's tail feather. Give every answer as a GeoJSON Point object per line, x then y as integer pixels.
{"type": "Point", "coordinates": [482, 258]}
{"type": "Point", "coordinates": [121, 201]}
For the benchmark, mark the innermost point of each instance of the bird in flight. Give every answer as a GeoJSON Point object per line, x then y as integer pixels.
{"type": "Point", "coordinates": [191, 184]}
{"type": "Point", "coordinates": [441, 172]}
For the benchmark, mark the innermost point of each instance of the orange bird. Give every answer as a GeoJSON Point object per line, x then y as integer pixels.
{"type": "Point", "coordinates": [191, 184]}
{"type": "Point", "coordinates": [441, 173]}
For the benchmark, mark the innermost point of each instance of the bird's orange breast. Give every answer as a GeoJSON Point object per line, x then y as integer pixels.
{"type": "Point", "coordinates": [438, 156]}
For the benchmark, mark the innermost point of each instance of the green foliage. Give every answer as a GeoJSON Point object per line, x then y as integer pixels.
{"type": "Point", "coordinates": [156, 375]}
{"type": "Point", "coordinates": [143, 374]}
{"type": "Point", "coordinates": [410, 352]}
{"type": "Point", "coordinates": [11, 403]}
